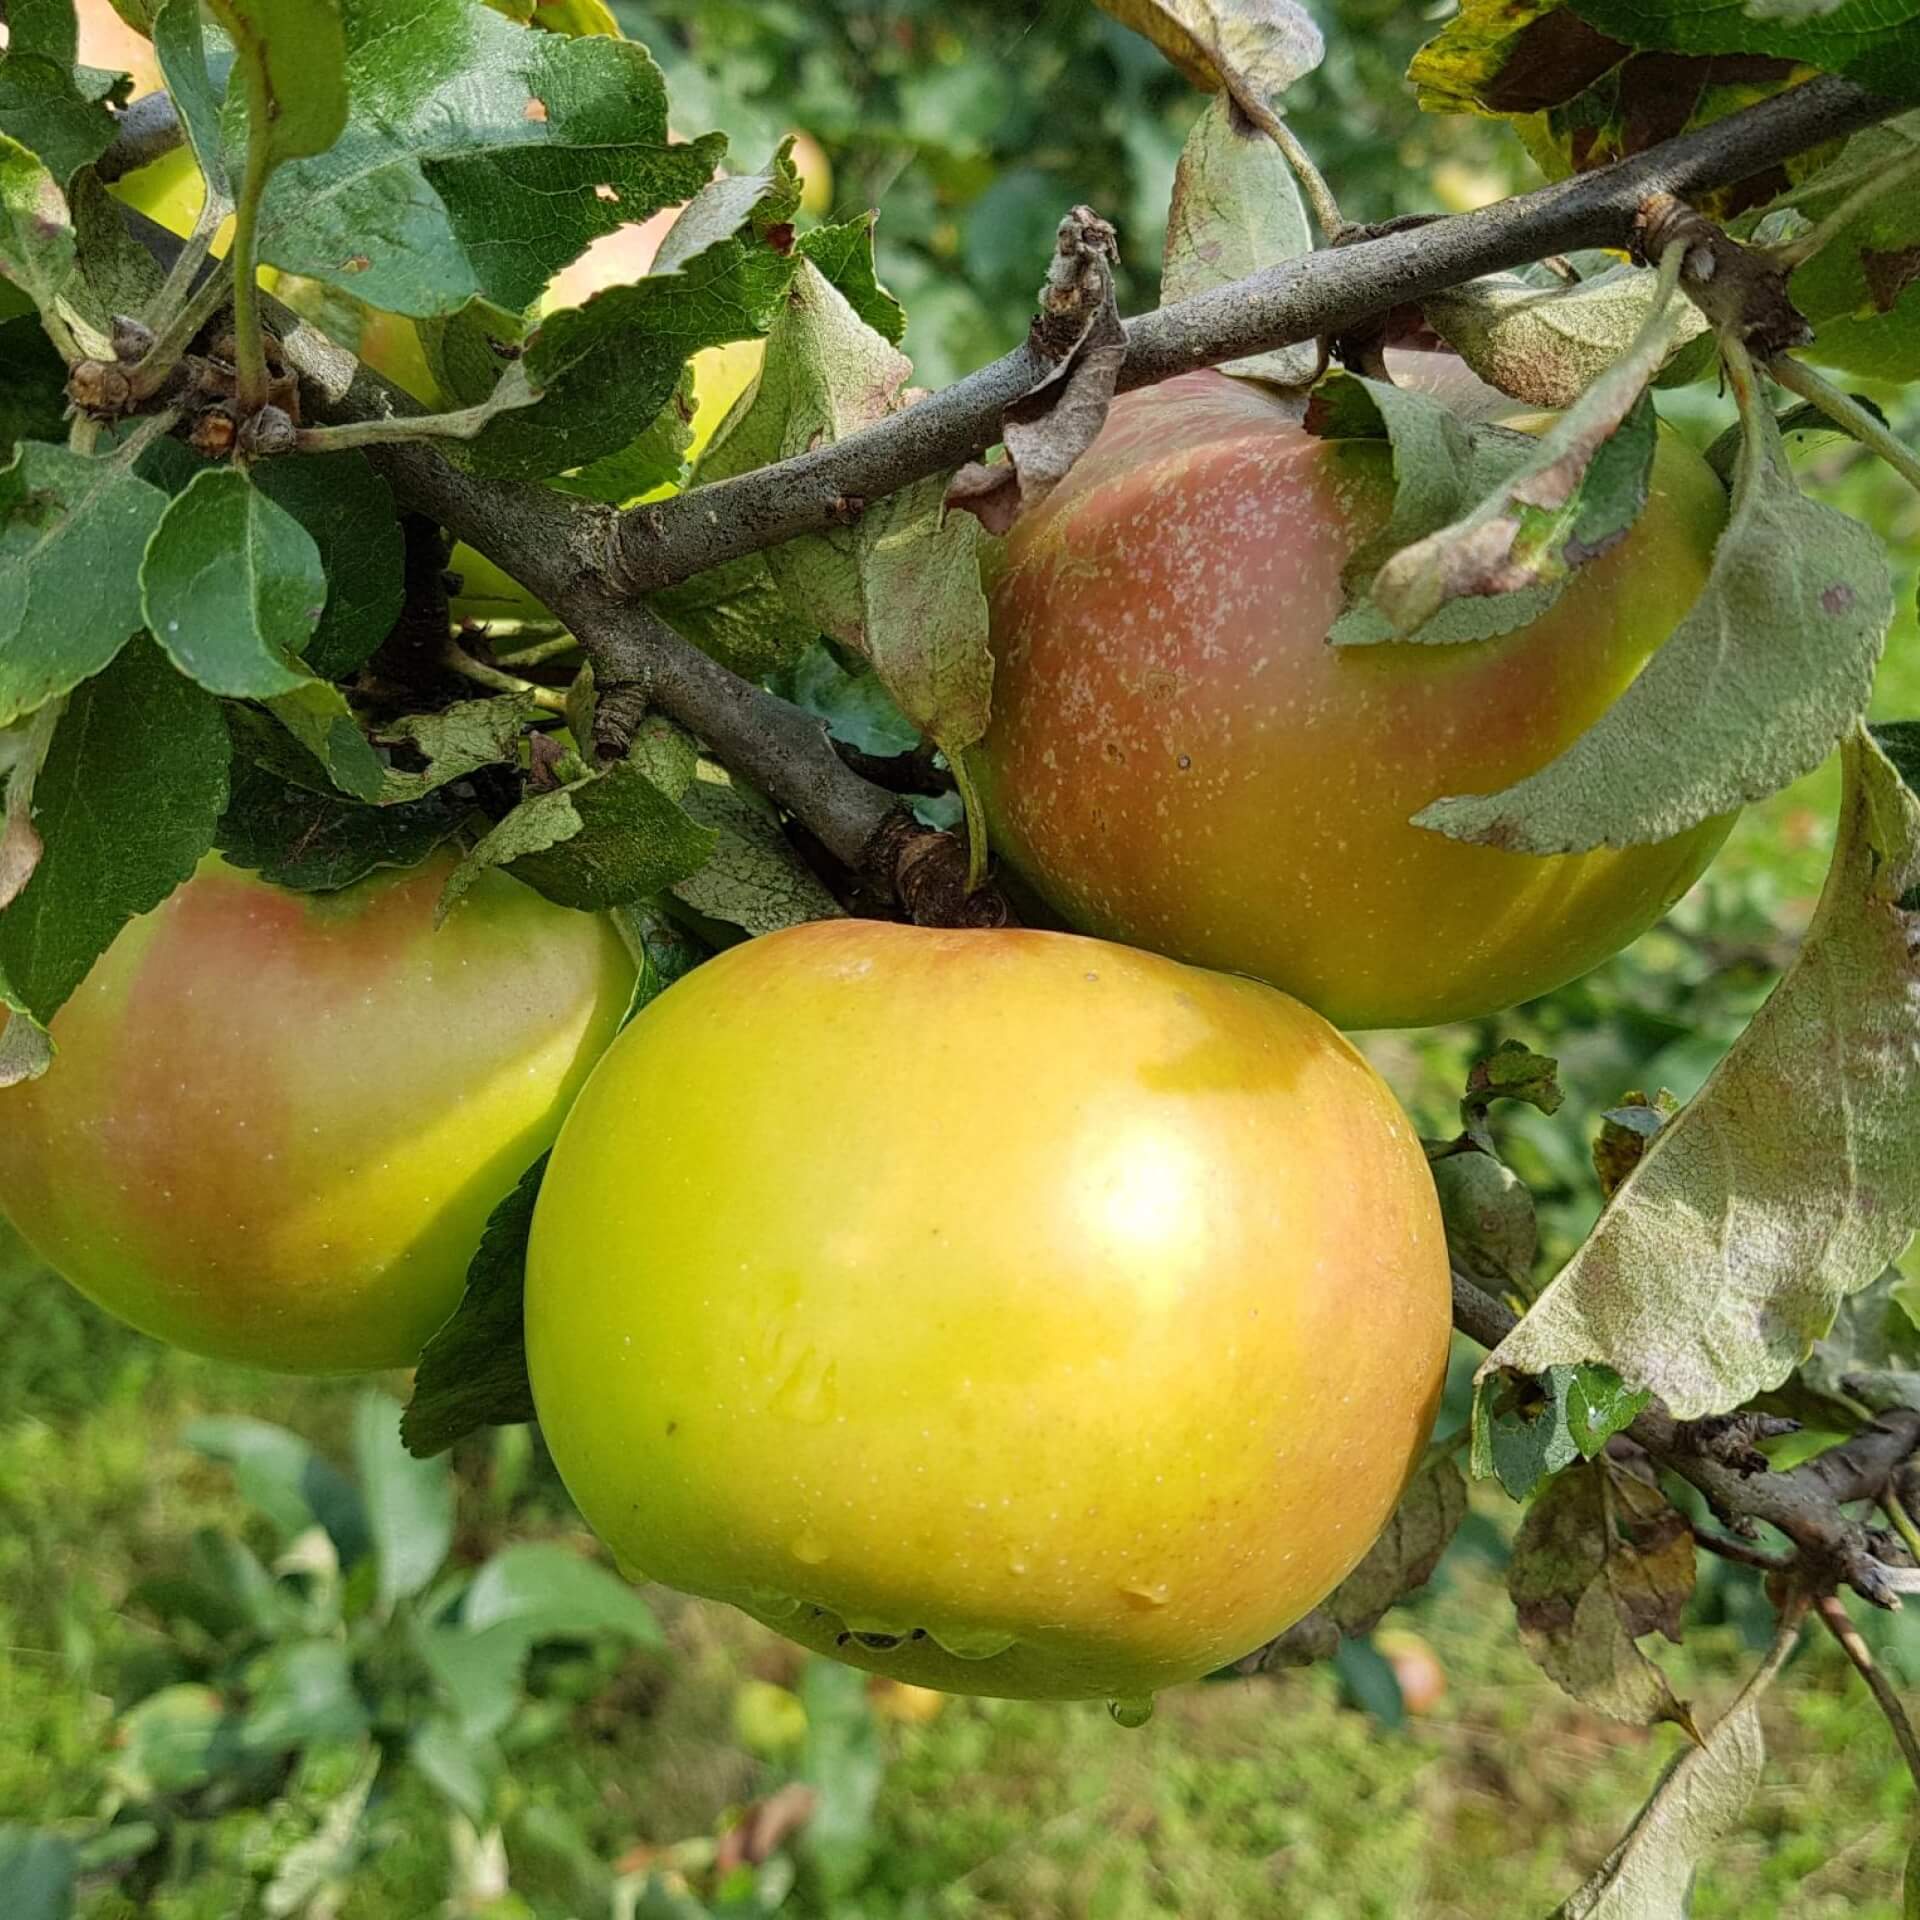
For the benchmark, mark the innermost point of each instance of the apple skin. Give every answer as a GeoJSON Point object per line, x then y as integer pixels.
{"type": "Point", "coordinates": [276, 1122]}
{"type": "Point", "coordinates": [1072, 1315]}
{"type": "Point", "coordinates": [1178, 760]}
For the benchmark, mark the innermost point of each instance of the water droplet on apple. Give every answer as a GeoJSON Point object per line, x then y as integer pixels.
{"type": "Point", "coordinates": [1131, 1713]}
{"type": "Point", "coordinates": [1146, 1593]}
{"type": "Point", "coordinates": [809, 1549]}
{"type": "Point", "coordinates": [971, 1643]}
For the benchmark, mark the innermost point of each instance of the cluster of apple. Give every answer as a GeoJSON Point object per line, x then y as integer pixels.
{"type": "Point", "coordinates": [1014, 1312]}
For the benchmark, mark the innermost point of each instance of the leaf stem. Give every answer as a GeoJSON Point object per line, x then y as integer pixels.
{"type": "Point", "coordinates": [541, 651]}
{"type": "Point", "coordinates": [1847, 413]}
{"type": "Point", "coordinates": [1313, 183]}
{"type": "Point", "coordinates": [172, 340]}
{"type": "Point", "coordinates": [1796, 252]}
{"type": "Point", "coordinates": [392, 430]}
{"type": "Point", "coordinates": [1834, 1616]}
{"type": "Point", "coordinates": [1902, 1520]}
{"type": "Point", "coordinates": [456, 659]}
{"type": "Point", "coordinates": [250, 352]}
{"type": "Point", "coordinates": [177, 288]}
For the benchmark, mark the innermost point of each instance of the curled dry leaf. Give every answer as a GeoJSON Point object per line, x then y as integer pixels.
{"type": "Point", "coordinates": [1046, 430]}
{"type": "Point", "coordinates": [1790, 1180]}
{"type": "Point", "coordinates": [1601, 1559]}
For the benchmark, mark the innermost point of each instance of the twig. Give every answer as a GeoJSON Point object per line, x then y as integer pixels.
{"type": "Point", "coordinates": [1896, 1511]}
{"type": "Point", "coordinates": [1729, 1548]}
{"type": "Point", "coordinates": [1804, 1504]}
{"type": "Point", "coordinates": [1846, 413]}
{"type": "Point", "coordinates": [1833, 1613]}
{"type": "Point", "coordinates": [541, 651]}
{"type": "Point", "coordinates": [1326, 292]}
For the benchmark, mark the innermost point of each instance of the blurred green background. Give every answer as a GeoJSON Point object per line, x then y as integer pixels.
{"type": "Point", "coordinates": [631, 1751]}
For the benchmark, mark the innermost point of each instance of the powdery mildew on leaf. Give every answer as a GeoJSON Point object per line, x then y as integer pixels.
{"type": "Point", "coordinates": [1254, 49]}
{"type": "Point", "coordinates": [1236, 208]}
{"type": "Point", "coordinates": [1792, 1179]}
{"type": "Point", "coordinates": [1407, 1551]}
{"type": "Point", "coordinates": [1602, 1559]}
{"type": "Point", "coordinates": [1771, 666]}
{"type": "Point", "coordinates": [754, 880]}
{"type": "Point", "coordinates": [1548, 345]}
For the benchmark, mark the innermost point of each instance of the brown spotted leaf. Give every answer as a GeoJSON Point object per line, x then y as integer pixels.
{"type": "Point", "coordinates": [1626, 1131]}
{"type": "Point", "coordinates": [1602, 1559]}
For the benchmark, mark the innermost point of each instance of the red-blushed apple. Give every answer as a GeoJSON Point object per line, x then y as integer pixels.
{"type": "Point", "coordinates": [1004, 1312]}
{"type": "Point", "coordinates": [275, 1123]}
{"type": "Point", "coordinates": [1177, 758]}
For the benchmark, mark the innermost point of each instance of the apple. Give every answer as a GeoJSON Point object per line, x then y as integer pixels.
{"type": "Point", "coordinates": [275, 1123]}
{"type": "Point", "coordinates": [1178, 760]}
{"type": "Point", "coordinates": [1004, 1312]}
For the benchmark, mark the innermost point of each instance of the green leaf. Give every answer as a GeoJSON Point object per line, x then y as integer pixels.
{"type": "Point", "coordinates": [844, 255]}
{"type": "Point", "coordinates": [473, 1372]}
{"type": "Point", "coordinates": [1700, 1799]}
{"type": "Point", "coordinates": [473, 159]}
{"type": "Point", "coordinates": [1860, 291]}
{"type": "Point", "coordinates": [1441, 465]}
{"type": "Point", "coordinates": [1869, 1357]}
{"type": "Point", "coordinates": [72, 531]}
{"type": "Point", "coordinates": [605, 370]}
{"type": "Point", "coordinates": [554, 1594]}
{"type": "Point", "coordinates": [1769, 669]}
{"type": "Point", "coordinates": [36, 231]}
{"type": "Point", "coordinates": [461, 1771]}
{"type": "Point", "coordinates": [736, 612]}
{"type": "Point", "coordinates": [302, 1695]}
{"type": "Point", "coordinates": [901, 586]}
{"type": "Point", "coordinates": [280, 1474]}
{"type": "Point", "coordinates": [1576, 494]}
{"type": "Point", "coordinates": [1899, 742]}
{"type": "Point", "coordinates": [409, 1501]}
{"type": "Point", "coordinates": [317, 715]}
{"type": "Point", "coordinates": [856, 707]}
{"type": "Point", "coordinates": [1870, 41]}
{"type": "Point", "coordinates": [1407, 1551]}
{"type": "Point", "coordinates": [1601, 1560]}
{"type": "Point", "coordinates": [171, 1742]}
{"type": "Point", "coordinates": [127, 803]}
{"type": "Point", "coordinates": [1547, 345]}
{"type": "Point", "coordinates": [1789, 1181]}
{"type": "Point", "coordinates": [197, 84]}
{"type": "Point", "coordinates": [654, 457]}
{"type": "Point", "coordinates": [291, 57]}
{"type": "Point", "coordinates": [1369, 1683]}
{"type": "Point", "coordinates": [843, 1762]}
{"type": "Point", "coordinates": [754, 879]}
{"type": "Point", "coordinates": [318, 843]}
{"type": "Point", "coordinates": [456, 741]}
{"type": "Point", "coordinates": [1493, 1235]}
{"type": "Point", "coordinates": [347, 509]}
{"type": "Point", "coordinates": [1520, 1430]}
{"type": "Point", "coordinates": [23, 752]}
{"type": "Point", "coordinates": [37, 1872]}
{"type": "Point", "coordinates": [1512, 1071]}
{"type": "Point", "coordinates": [232, 587]}
{"type": "Point", "coordinates": [33, 385]}
{"type": "Point", "coordinates": [49, 105]}
{"type": "Point", "coordinates": [632, 841]}
{"type": "Point", "coordinates": [662, 948]}
{"type": "Point", "coordinates": [1236, 208]}
{"type": "Point", "coordinates": [117, 274]}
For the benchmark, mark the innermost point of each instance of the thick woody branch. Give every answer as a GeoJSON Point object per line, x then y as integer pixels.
{"type": "Point", "coordinates": [1805, 1504]}
{"type": "Point", "coordinates": [1327, 292]}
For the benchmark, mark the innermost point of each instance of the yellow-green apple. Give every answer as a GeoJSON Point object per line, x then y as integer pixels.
{"type": "Point", "coordinates": [1006, 1312]}
{"type": "Point", "coordinates": [275, 1123]}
